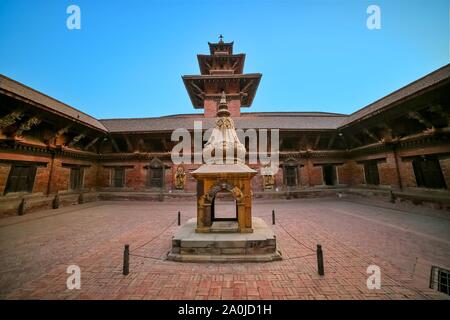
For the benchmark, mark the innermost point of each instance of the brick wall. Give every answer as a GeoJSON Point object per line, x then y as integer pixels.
{"type": "Point", "coordinates": [136, 177]}
{"type": "Point", "coordinates": [344, 174]}
{"type": "Point", "coordinates": [407, 174]}
{"type": "Point", "coordinates": [388, 172]}
{"type": "Point", "coordinates": [210, 108]}
{"type": "Point", "coordinates": [315, 174]}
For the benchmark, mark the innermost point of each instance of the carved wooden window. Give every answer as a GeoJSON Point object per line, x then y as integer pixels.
{"type": "Point", "coordinates": [440, 279]}
{"type": "Point", "coordinates": [21, 179]}
{"type": "Point", "coordinates": [329, 175]}
{"type": "Point", "coordinates": [119, 177]}
{"type": "Point", "coordinates": [371, 172]}
{"type": "Point", "coordinates": [291, 175]}
{"type": "Point", "coordinates": [76, 178]}
{"type": "Point", "coordinates": [156, 177]}
{"type": "Point", "coordinates": [428, 173]}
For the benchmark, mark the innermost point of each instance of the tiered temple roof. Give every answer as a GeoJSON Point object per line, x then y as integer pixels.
{"type": "Point", "coordinates": [221, 70]}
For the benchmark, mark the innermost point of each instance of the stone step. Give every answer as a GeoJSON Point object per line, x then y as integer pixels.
{"type": "Point", "coordinates": [276, 256]}
{"type": "Point", "coordinates": [224, 227]}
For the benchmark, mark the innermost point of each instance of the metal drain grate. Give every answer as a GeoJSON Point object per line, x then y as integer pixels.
{"type": "Point", "coordinates": [440, 279]}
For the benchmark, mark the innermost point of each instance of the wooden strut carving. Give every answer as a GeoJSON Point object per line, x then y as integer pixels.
{"type": "Point", "coordinates": [371, 135]}
{"type": "Point", "coordinates": [58, 134]}
{"type": "Point", "coordinates": [90, 144]}
{"type": "Point", "coordinates": [76, 139]}
{"type": "Point", "coordinates": [417, 116]}
{"type": "Point", "coordinates": [11, 118]}
{"type": "Point", "coordinates": [27, 125]}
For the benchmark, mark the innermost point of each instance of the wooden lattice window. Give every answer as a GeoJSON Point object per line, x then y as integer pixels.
{"type": "Point", "coordinates": [291, 175]}
{"type": "Point", "coordinates": [76, 178]}
{"type": "Point", "coordinates": [21, 178]}
{"type": "Point", "coordinates": [119, 177]}
{"type": "Point", "coordinates": [428, 173]}
{"type": "Point", "coordinates": [156, 177]}
{"type": "Point", "coordinates": [371, 172]}
{"type": "Point", "coordinates": [440, 279]}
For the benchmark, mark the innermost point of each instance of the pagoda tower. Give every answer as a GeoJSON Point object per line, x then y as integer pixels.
{"type": "Point", "coordinates": [221, 71]}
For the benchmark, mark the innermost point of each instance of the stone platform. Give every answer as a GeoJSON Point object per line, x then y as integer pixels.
{"type": "Point", "coordinates": [258, 246]}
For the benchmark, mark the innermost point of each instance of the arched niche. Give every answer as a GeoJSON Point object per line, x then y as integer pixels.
{"type": "Point", "coordinates": [206, 204]}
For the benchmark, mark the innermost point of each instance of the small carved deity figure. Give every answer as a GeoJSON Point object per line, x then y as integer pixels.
{"type": "Point", "coordinates": [268, 178]}
{"type": "Point", "coordinates": [269, 181]}
{"type": "Point", "coordinates": [237, 193]}
{"type": "Point", "coordinates": [180, 178]}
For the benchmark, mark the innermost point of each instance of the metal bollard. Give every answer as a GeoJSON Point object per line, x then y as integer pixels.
{"type": "Point", "coordinates": [320, 260]}
{"type": "Point", "coordinates": [273, 216]}
{"type": "Point", "coordinates": [56, 202]}
{"type": "Point", "coordinates": [391, 197]}
{"type": "Point", "coordinates": [179, 218]}
{"type": "Point", "coordinates": [126, 260]}
{"type": "Point", "coordinates": [22, 207]}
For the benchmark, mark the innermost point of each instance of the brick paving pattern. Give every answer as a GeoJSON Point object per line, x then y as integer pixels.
{"type": "Point", "coordinates": [36, 249]}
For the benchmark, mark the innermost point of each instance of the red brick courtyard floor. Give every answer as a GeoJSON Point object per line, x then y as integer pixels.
{"type": "Point", "coordinates": [36, 249]}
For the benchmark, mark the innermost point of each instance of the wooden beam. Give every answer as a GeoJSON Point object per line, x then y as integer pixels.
{"type": "Point", "coordinates": [62, 130]}
{"type": "Point", "coordinates": [114, 144]}
{"type": "Point", "coordinates": [371, 135]}
{"type": "Point", "coordinates": [90, 144]}
{"type": "Point", "coordinates": [331, 141]}
{"type": "Point", "coordinates": [141, 145]}
{"type": "Point", "coordinates": [437, 108]}
{"type": "Point", "coordinates": [235, 65]}
{"type": "Point", "coordinates": [129, 144]}
{"type": "Point", "coordinates": [56, 139]}
{"type": "Point", "coordinates": [353, 138]}
{"type": "Point", "coordinates": [417, 116]}
{"type": "Point", "coordinates": [316, 143]}
{"type": "Point", "coordinates": [199, 90]}
{"type": "Point", "coordinates": [76, 139]}
{"type": "Point", "coordinates": [247, 86]}
{"type": "Point", "coordinates": [164, 142]}
{"type": "Point", "coordinates": [303, 143]}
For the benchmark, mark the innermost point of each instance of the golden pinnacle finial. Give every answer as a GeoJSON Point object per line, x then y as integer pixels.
{"type": "Point", "coordinates": [220, 38]}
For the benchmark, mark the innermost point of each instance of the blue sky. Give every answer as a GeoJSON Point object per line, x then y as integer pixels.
{"type": "Point", "coordinates": [128, 57]}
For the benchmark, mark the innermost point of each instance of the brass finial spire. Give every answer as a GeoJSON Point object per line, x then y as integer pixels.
{"type": "Point", "coordinates": [223, 107]}
{"type": "Point", "coordinates": [220, 38]}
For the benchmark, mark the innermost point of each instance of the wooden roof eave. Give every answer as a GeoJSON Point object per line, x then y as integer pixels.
{"type": "Point", "coordinates": [52, 111]}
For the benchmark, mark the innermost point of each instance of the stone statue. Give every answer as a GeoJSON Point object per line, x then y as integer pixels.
{"type": "Point", "coordinates": [180, 178]}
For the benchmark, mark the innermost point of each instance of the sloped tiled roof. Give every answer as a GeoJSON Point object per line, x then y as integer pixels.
{"type": "Point", "coordinates": [257, 120]}
{"type": "Point", "coordinates": [440, 75]}
{"type": "Point", "coordinates": [10, 86]}
{"type": "Point", "coordinates": [288, 121]}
